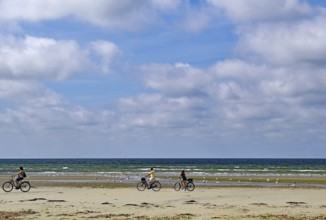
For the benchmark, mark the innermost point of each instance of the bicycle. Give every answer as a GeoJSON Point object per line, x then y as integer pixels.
{"type": "Point", "coordinates": [24, 186]}
{"type": "Point", "coordinates": [155, 185]}
{"type": "Point", "coordinates": [190, 186]}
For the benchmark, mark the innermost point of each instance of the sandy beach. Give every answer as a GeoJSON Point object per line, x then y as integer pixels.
{"type": "Point", "coordinates": [129, 203]}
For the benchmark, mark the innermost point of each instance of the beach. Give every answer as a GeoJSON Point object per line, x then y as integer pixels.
{"type": "Point", "coordinates": [67, 189]}
{"type": "Point", "coordinates": [129, 203]}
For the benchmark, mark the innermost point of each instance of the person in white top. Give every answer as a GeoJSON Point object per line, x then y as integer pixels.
{"type": "Point", "coordinates": [151, 176]}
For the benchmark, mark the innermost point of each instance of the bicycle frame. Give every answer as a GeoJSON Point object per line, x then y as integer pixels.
{"type": "Point", "coordinates": [190, 186]}
{"type": "Point", "coordinates": [143, 184]}
{"type": "Point", "coordinates": [146, 183]}
{"type": "Point", "coordinates": [13, 181]}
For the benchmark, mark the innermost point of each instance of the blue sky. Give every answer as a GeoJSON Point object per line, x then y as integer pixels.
{"type": "Point", "coordinates": [162, 78]}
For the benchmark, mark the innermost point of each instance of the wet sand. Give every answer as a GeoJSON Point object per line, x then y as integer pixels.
{"type": "Point", "coordinates": [129, 203]}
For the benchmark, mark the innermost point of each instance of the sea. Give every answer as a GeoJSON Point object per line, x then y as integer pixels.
{"type": "Point", "coordinates": [133, 168]}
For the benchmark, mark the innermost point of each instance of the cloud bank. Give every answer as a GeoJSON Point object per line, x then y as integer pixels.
{"type": "Point", "coordinates": [267, 96]}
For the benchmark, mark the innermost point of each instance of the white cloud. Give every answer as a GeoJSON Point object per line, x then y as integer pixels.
{"type": "Point", "coordinates": [157, 111]}
{"type": "Point", "coordinates": [240, 70]}
{"type": "Point", "coordinates": [35, 109]}
{"type": "Point", "coordinates": [107, 51]}
{"type": "Point", "coordinates": [46, 58]}
{"type": "Point", "coordinates": [263, 10]}
{"type": "Point", "coordinates": [274, 92]}
{"type": "Point", "coordinates": [164, 4]}
{"type": "Point", "coordinates": [29, 93]}
{"type": "Point", "coordinates": [177, 79]}
{"type": "Point", "coordinates": [272, 98]}
{"type": "Point", "coordinates": [46, 119]}
{"type": "Point", "coordinates": [33, 57]}
{"type": "Point", "coordinates": [16, 90]}
{"type": "Point", "coordinates": [124, 14]}
{"type": "Point", "coordinates": [237, 95]}
{"type": "Point", "coordinates": [198, 17]}
{"type": "Point", "coordinates": [287, 43]}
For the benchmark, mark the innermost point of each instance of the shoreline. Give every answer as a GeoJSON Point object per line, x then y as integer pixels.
{"type": "Point", "coordinates": [90, 180]}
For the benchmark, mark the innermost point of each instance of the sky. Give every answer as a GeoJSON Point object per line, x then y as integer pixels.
{"type": "Point", "coordinates": [162, 78]}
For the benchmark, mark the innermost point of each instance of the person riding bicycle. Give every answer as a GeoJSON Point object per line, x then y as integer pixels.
{"type": "Point", "coordinates": [151, 177]}
{"type": "Point", "coordinates": [20, 176]}
{"type": "Point", "coordinates": [183, 179]}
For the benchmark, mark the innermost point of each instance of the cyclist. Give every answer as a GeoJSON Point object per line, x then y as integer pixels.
{"type": "Point", "coordinates": [151, 177]}
{"type": "Point", "coordinates": [20, 176]}
{"type": "Point", "coordinates": [183, 179]}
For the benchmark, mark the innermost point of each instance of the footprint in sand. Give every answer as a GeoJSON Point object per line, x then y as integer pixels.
{"type": "Point", "coordinates": [108, 203]}
{"type": "Point", "coordinates": [185, 215]}
{"type": "Point", "coordinates": [33, 200]}
{"type": "Point", "coordinates": [130, 204]}
{"type": "Point", "coordinates": [190, 202]}
{"type": "Point", "coordinates": [259, 204]}
{"type": "Point", "coordinates": [145, 204]}
{"type": "Point", "coordinates": [142, 205]}
{"type": "Point", "coordinates": [56, 200]}
{"type": "Point", "coordinates": [296, 203]}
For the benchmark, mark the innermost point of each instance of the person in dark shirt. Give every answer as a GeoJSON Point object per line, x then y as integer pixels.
{"type": "Point", "coordinates": [20, 176]}
{"type": "Point", "coordinates": [183, 179]}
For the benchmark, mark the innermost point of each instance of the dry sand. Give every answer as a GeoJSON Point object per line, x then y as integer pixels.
{"type": "Point", "coordinates": [129, 203]}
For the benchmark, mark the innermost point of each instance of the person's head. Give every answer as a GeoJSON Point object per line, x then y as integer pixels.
{"type": "Point", "coordinates": [152, 168]}
{"type": "Point", "coordinates": [182, 171]}
{"type": "Point", "coordinates": [21, 168]}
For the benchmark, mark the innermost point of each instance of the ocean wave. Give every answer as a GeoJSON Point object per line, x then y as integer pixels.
{"type": "Point", "coordinates": [305, 171]}
{"type": "Point", "coordinates": [167, 166]}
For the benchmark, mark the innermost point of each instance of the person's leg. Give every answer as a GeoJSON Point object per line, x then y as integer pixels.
{"type": "Point", "coordinates": [149, 183]}
{"type": "Point", "coordinates": [17, 182]}
{"type": "Point", "coordinates": [181, 183]}
{"type": "Point", "coordinates": [184, 182]}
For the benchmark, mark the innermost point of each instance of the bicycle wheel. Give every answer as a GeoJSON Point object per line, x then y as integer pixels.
{"type": "Point", "coordinates": [25, 186]}
{"type": "Point", "coordinates": [156, 186]}
{"type": "Point", "coordinates": [141, 186]}
{"type": "Point", "coordinates": [190, 186]}
{"type": "Point", "coordinates": [177, 186]}
{"type": "Point", "coordinates": [7, 186]}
